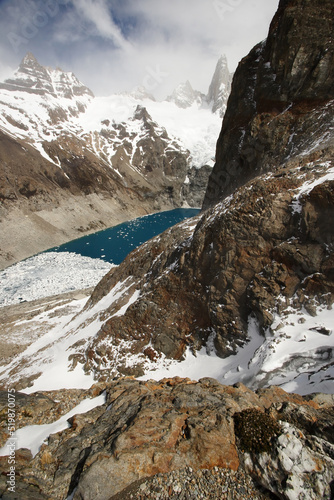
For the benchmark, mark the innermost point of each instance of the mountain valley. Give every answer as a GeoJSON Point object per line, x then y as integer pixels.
{"type": "Point", "coordinates": [206, 356]}
{"type": "Point", "coordinates": [72, 163]}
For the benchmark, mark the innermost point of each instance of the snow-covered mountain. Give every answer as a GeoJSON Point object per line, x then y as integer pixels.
{"type": "Point", "coordinates": [33, 78]}
{"type": "Point", "coordinates": [63, 150]}
{"type": "Point", "coordinates": [185, 96]}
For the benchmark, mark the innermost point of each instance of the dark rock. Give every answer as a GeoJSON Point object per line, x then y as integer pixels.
{"type": "Point", "coordinates": [279, 92]}
{"type": "Point", "coordinates": [270, 245]}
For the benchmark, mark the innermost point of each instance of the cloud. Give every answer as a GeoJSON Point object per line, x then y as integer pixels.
{"type": "Point", "coordinates": [98, 13]}
{"type": "Point", "coordinates": [115, 45]}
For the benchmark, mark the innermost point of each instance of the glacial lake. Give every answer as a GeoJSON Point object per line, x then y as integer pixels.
{"type": "Point", "coordinates": [115, 243]}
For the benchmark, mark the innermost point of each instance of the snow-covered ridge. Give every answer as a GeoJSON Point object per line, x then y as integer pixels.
{"type": "Point", "coordinates": [43, 105]}
{"type": "Point", "coordinates": [33, 78]}
{"type": "Point", "coordinates": [184, 96]}
{"type": "Point", "coordinates": [194, 129]}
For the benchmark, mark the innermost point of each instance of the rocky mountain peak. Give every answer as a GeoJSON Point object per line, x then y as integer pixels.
{"type": "Point", "coordinates": [220, 86]}
{"type": "Point", "coordinates": [141, 113]}
{"type": "Point", "coordinates": [29, 60]}
{"type": "Point", "coordinates": [34, 78]}
{"type": "Point", "coordinates": [185, 96]}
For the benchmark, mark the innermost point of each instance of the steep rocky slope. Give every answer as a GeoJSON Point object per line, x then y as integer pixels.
{"type": "Point", "coordinates": [261, 255]}
{"type": "Point", "coordinates": [71, 163]}
{"type": "Point", "coordinates": [281, 105]}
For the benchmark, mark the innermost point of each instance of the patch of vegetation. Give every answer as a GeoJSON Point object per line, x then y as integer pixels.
{"type": "Point", "coordinates": [26, 413]}
{"type": "Point", "coordinates": [255, 430]}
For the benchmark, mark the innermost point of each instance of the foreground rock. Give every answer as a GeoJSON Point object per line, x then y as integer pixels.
{"type": "Point", "coordinates": [282, 441]}
{"type": "Point", "coordinates": [190, 484]}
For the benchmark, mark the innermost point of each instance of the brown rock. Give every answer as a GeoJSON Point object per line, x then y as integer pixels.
{"type": "Point", "coordinates": [149, 428]}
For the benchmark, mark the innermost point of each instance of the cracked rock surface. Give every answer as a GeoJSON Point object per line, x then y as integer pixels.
{"type": "Point", "coordinates": [150, 429]}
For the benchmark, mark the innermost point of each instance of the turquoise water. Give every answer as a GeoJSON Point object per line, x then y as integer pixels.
{"type": "Point", "coordinates": [115, 243]}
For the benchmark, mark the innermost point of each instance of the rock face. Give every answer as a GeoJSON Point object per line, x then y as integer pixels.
{"type": "Point", "coordinates": [195, 184]}
{"type": "Point", "coordinates": [220, 87]}
{"type": "Point", "coordinates": [284, 442]}
{"type": "Point", "coordinates": [253, 255]}
{"type": "Point", "coordinates": [280, 91]}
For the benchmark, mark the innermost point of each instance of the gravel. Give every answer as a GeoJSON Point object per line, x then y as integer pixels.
{"type": "Point", "coordinates": [187, 484]}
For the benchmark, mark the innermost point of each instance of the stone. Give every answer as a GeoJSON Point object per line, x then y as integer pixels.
{"type": "Point", "coordinates": [157, 429]}
{"type": "Point", "coordinates": [267, 247]}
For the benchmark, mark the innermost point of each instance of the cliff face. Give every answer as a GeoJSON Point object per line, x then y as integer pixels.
{"type": "Point", "coordinates": [279, 92]}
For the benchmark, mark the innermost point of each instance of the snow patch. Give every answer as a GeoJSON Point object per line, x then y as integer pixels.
{"type": "Point", "coordinates": [33, 436]}
{"type": "Point", "coordinates": [47, 274]}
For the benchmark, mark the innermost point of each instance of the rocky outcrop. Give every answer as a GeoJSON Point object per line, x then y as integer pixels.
{"type": "Point", "coordinates": [282, 441]}
{"type": "Point", "coordinates": [279, 92]}
{"type": "Point", "coordinates": [40, 408]}
{"type": "Point", "coordinates": [256, 255]}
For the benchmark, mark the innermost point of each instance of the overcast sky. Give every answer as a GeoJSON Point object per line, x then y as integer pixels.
{"type": "Point", "coordinates": [116, 45]}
